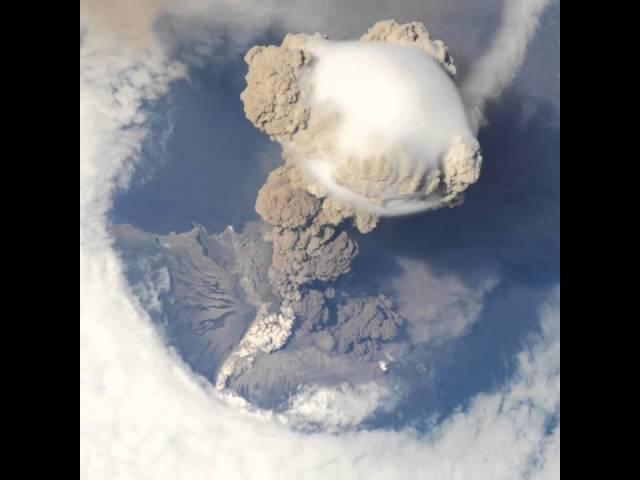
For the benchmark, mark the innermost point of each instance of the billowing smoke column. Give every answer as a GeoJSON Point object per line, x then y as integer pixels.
{"type": "Point", "coordinates": [368, 128]}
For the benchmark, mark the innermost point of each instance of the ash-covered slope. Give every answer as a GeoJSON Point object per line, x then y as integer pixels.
{"type": "Point", "coordinates": [212, 298]}
{"type": "Point", "coordinates": [203, 290]}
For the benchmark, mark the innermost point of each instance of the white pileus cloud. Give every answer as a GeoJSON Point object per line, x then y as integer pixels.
{"type": "Point", "coordinates": [399, 117]}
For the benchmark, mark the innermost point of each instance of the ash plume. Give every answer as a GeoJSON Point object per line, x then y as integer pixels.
{"type": "Point", "coordinates": [377, 125]}
{"type": "Point", "coordinates": [367, 128]}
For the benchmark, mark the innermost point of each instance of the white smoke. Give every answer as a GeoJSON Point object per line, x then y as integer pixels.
{"type": "Point", "coordinates": [269, 332]}
{"type": "Point", "coordinates": [494, 72]}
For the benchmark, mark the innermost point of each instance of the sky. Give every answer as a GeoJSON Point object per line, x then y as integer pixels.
{"type": "Point", "coordinates": [164, 143]}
